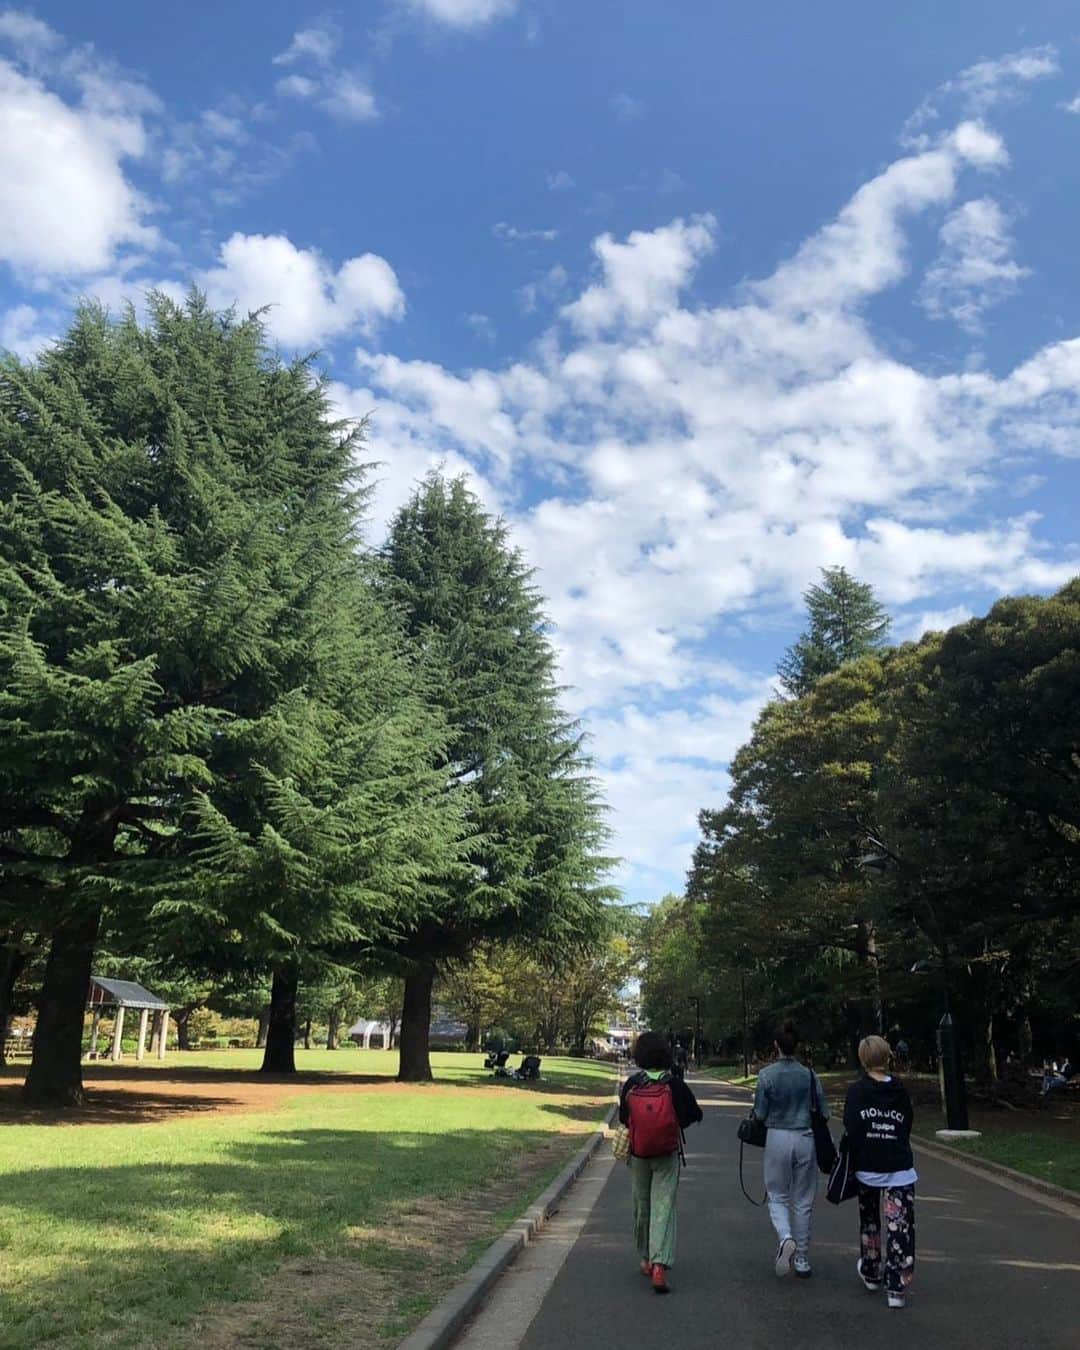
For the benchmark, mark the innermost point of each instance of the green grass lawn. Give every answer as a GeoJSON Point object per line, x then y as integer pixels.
{"type": "Point", "coordinates": [1049, 1157]}
{"type": "Point", "coordinates": [142, 1235]}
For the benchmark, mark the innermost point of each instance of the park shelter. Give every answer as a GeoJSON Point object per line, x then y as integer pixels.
{"type": "Point", "coordinates": [363, 1031]}
{"type": "Point", "coordinates": [118, 996]}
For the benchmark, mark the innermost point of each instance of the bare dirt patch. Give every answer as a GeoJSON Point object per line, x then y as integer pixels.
{"type": "Point", "coordinates": [136, 1096]}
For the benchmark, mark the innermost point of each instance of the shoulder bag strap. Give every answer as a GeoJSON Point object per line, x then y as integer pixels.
{"type": "Point", "coordinates": [742, 1183]}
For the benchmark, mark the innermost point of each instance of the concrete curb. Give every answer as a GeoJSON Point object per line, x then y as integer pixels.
{"type": "Point", "coordinates": [949, 1154]}
{"type": "Point", "coordinates": [444, 1322]}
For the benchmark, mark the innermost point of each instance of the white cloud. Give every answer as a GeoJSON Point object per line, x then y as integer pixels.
{"type": "Point", "coordinates": [482, 325]}
{"type": "Point", "coordinates": [547, 288]}
{"type": "Point", "coordinates": [1073, 105]}
{"type": "Point", "coordinates": [934, 621]}
{"type": "Point", "coordinates": [344, 94]}
{"type": "Point", "coordinates": [462, 13]}
{"type": "Point", "coordinates": [341, 93]}
{"type": "Point", "coordinates": [30, 37]}
{"type": "Point", "coordinates": [24, 331]}
{"type": "Point", "coordinates": [347, 96]}
{"type": "Point", "coordinates": [689, 468]}
{"type": "Point", "coordinates": [560, 181]}
{"type": "Point", "coordinates": [298, 86]}
{"type": "Point", "coordinates": [626, 108]}
{"type": "Point", "coordinates": [863, 250]}
{"type": "Point", "coordinates": [642, 277]}
{"type": "Point", "coordinates": [319, 43]}
{"type": "Point", "coordinates": [512, 234]}
{"type": "Point", "coordinates": [974, 269]}
{"type": "Point", "coordinates": [986, 84]}
{"type": "Point", "coordinates": [66, 205]}
{"type": "Point", "coordinates": [309, 301]}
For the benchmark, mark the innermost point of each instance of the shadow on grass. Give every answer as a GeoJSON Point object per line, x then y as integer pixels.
{"type": "Point", "coordinates": [88, 1251]}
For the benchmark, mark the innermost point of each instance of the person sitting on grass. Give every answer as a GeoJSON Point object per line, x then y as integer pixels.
{"type": "Point", "coordinates": [656, 1107]}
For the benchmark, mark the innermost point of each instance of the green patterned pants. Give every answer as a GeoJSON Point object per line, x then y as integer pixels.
{"type": "Point", "coordinates": [656, 1185]}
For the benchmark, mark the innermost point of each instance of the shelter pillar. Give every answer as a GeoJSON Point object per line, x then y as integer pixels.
{"type": "Point", "coordinates": [144, 1018]}
{"type": "Point", "coordinates": [95, 1028]}
{"type": "Point", "coordinates": [118, 1035]}
{"type": "Point", "coordinates": [164, 1033]}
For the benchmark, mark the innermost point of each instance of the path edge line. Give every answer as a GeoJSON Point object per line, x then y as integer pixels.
{"type": "Point", "coordinates": [446, 1319]}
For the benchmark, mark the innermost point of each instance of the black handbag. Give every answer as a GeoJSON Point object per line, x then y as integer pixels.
{"type": "Point", "coordinates": [823, 1140]}
{"type": "Point", "coordinates": [843, 1184]}
{"type": "Point", "coordinates": [753, 1131]}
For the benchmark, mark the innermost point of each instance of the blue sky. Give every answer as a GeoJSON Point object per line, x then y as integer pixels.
{"type": "Point", "coordinates": [702, 297]}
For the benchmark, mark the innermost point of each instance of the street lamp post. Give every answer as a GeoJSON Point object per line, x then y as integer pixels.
{"type": "Point", "coordinates": [950, 1069]}
{"type": "Point", "coordinates": [697, 1030]}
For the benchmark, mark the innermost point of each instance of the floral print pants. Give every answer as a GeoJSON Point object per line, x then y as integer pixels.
{"type": "Point", "coordinates": [899, 1235]}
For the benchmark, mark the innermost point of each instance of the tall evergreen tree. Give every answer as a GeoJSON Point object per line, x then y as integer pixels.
{"type": "Point", "coordinates": [846, 621]}
{"type": "Point", "coordinates": [534, 821]}
{"type": "Point", "coordinates": [184, 636]}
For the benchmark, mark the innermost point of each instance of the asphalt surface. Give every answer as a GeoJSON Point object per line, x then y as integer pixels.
{"type": "Point", "coordinates": [996, 1267]}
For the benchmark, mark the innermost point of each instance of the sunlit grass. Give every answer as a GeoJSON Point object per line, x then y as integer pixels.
{"type": "Point", "coordinates": [112, 1233]}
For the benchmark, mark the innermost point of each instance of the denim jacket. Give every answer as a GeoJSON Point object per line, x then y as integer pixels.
{"type": "Point", "coordinates": [782, 1099]}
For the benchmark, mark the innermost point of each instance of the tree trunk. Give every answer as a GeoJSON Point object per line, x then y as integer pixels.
{"type": "Point", "coordinates": [473, 1037]}
{"type": "Point", "coordinates": [264, 1027]}
{"type": "Point", "coordinates": [307, 1034]}
{"type": "Point", "coordinates": [14, 958]}
{"type": "Point", "coordinates": [55, 1077]}
{"type": "Point", "coordinates": [985, 1066]}
{"type": "Point", "coordinates": [182, 1018]}
{"type": "Point", "coordinates": [333, 1028]}
{"type": "Point", "coordinates": [1027, 1041]}
{"type": "Point", "coordinates": [280, 1056]}
{"type": "Point", "coordinates": [870, 1009]}
{"type": "Point", "coordinates": [415, 1063]}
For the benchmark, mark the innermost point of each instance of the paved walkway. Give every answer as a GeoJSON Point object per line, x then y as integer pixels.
{"type": "Point", "coordinates": [997, 1269]}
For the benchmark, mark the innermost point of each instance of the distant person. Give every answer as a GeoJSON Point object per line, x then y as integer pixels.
{"type": "Point", "coordinates": [1057, 1076]}
{"type": "Point", "coordinates": [877, 1120]}
{"type": "Point", "coordinates": [785, 1090]}
{"type": "Point", "coordinates": [681, 1058]}
{"type": "Point", "coordinates": [655, 1106]}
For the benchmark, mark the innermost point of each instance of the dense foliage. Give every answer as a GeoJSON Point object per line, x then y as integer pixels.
{"type": "Point", "coordinates": [916, 810]}
{"type": "Point", "coordinates": [243, 757]}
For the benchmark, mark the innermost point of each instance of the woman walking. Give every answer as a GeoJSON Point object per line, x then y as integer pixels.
{"type": "Point", "coordinates": [656, 1107]}
{"type": "Point", "coordinates": [787, 1091]}
{"type": "Point", "coordinates": [877, 1120]}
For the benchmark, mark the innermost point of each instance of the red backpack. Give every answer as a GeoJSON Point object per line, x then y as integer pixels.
{"type": "Point", "coordinates": [654, 1126]}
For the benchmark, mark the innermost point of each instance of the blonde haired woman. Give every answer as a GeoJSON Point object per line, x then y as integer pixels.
{"type": "Point", "coordinates": [877, 1120]}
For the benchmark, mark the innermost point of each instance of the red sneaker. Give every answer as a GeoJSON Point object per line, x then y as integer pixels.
{"type": "Point", "coordinates": [659, 1280]}
{"type": "Point", "coordinates": [646, 1268]}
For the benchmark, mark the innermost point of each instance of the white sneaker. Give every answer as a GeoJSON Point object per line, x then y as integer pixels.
{"type": "Point", "coordinates": [802, 1268]}
{"type": "Point", "coordinates": [785, 1254]}
{"type": "Point", "coordinates": [875, 1286]}
{"type": "Point", "coordinates": [897, 1301]}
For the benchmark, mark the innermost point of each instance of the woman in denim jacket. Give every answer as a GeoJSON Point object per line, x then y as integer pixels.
{"type": "Point", "coordinates": [784, 1093]}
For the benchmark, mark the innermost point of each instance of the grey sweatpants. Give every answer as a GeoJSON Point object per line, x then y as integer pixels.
{"type": "Point", "coordinates": [791, 1181]}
